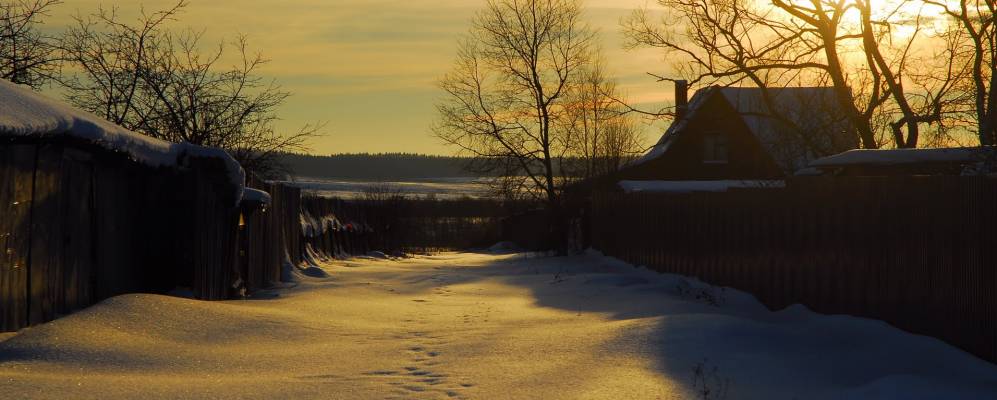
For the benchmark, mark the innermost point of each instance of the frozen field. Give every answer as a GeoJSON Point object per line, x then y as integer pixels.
{"type": "Point", "coordinates": [480, 326]}
{"type": "Point", "coordinates": [443, 188]}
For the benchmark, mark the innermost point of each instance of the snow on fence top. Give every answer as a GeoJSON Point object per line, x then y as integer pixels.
{"type": "Point", "coordinates": [899, 157]}
{"type": "Point", "coordinates": [26, 113]}
{"type": "Point", "coordinates": [695, 186]}
{"type": "Point", "coordinates": [314, 227]}
{"type": "Point", "coordinates": [256, 195]}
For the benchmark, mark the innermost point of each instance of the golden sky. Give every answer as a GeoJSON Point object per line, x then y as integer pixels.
{"type": "Point", "coordinates": [367, 67]}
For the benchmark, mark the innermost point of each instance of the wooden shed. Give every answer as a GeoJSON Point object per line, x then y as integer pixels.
{"type": "Point", "coordinates": [90, 210]}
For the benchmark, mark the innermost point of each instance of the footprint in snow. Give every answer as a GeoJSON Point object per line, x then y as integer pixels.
{"type": "Point", "coordinates": [381, 373]}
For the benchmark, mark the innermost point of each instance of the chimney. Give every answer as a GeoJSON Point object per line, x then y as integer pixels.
{"type": "Point", "coordinates": [681, 98]}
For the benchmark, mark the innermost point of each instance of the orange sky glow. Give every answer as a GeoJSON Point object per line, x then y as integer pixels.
{"type": "Point", "coordinates": [367, 68]}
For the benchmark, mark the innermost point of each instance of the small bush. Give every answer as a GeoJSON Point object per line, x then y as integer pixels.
{"type": "Point", "coordinates": [708, 383]}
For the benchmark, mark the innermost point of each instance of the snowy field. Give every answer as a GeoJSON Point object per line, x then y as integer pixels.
{"type": "Point", "coordinates": [443, 188]}
{"type": "Point", "coordinates": [479, 326]}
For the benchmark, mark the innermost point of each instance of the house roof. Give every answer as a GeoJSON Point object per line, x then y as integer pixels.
{"type": "Point", "coordinates": [884, 157]}
{"type": "Point", "coordinates": [25, 113]}
{"type": "Point", "coordinates": [802, 123]}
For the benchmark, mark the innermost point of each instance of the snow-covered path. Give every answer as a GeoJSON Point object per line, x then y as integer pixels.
{"type": "Point", "coordinates": [479, 326]}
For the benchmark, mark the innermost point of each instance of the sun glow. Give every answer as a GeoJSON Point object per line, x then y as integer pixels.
{"type": "Point", "coordinates": [902, 18]}
{"type": "Point", "coordinates": [897, 18]}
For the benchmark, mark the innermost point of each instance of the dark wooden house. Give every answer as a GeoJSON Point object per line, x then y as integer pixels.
{"type": "Point", "coordinates": [733, 133]}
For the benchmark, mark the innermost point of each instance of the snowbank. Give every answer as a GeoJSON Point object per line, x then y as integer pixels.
{"type": "Point", "coordinates": [26, 113]}
{"type": "Point", "coordinates": [504, 247]}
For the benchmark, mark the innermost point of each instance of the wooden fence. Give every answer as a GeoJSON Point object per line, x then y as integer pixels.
{"type": "Point", "coordinates": [335, 228]}
{"type": "Point", "coordinates": [917, 252]}
{"type": "Point", "coordinates": [530, 230]}
{"type": "Point", "coordinates": [442, 225]}
{"type": "Point", "coordinates": [342, 227]}
{"type": "Point", "coordinates": [79, 224]}
{"type": "Point", "coordinates": [270, 238]}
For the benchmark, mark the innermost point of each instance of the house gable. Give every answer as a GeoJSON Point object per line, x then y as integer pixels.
{"type": "Point", "coordinates": [695, 150]}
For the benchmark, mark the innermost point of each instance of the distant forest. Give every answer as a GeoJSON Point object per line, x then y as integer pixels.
{"type": "Point", "coordinates": [366, 166]}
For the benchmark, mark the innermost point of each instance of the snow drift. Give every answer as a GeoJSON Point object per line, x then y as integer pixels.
{"type": "Point", "coordinates": [485, 326]}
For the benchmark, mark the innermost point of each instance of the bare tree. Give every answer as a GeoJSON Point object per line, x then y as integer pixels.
{"type": "Point", "coordinates": [106, 61]}
{"type": "Point", "coordinates": [730, 42]}
{"type": "Point", "coordinates": [150, 80]}
{"type": "Point", "coordinates": [602, 136]}
{"type": "Point", "coordinates": [27, 56]}
{"type": "Point", "coordinates": [973, 22]}
{"type": "Point", "coordinates": [932, 83]}
{"type": "Point", "coordinates": [812, 42]}
{"type": "Point", "coordinates": [505, 98]}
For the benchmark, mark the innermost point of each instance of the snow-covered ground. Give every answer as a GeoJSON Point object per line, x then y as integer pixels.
{"type": "Point", "coordinates": [483, 326]}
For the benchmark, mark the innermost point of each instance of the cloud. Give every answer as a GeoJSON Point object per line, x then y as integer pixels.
{"type": "Point", "coordinates": [354, 62]}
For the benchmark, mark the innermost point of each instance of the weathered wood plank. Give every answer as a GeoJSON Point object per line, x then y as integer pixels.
{"type": "Point", "coordinates": [78, 234]}
{"type": "Point", "coordinates": [45, 271]}
{"type": "Point", "coordinates": [17, 163]}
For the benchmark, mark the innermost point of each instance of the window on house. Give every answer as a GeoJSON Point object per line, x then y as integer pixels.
{"type": "Point", "coordinates": [714, 148]}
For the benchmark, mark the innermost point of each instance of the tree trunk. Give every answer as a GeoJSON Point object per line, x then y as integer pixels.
{"type": "Point", "coordinates": [988, 123]}
{"type": "Point", "coordinates": [843, 91]}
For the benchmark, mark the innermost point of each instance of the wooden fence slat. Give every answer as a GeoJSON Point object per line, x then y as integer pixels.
{"type": "Point", "coordinates": [16, 183]}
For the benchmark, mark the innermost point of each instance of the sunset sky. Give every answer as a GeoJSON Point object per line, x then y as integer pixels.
{"type": "Point", "coordinates": [368, 68]}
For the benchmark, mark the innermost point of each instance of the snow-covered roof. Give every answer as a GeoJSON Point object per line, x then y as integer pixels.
{"type": "Point", "coordinates": [696, 186]}
{"type": "Point", "coordinates": [899, 157]}
{"type": "Point", "coordinates": [660, 148]}
{"type": "Point", "coordinates": [24, 112]}
{"type": "Point", "coordinates": [805, 121]}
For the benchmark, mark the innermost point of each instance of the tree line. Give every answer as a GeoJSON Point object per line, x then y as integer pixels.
{"type": "Point", "coordinates": [152, 79]}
